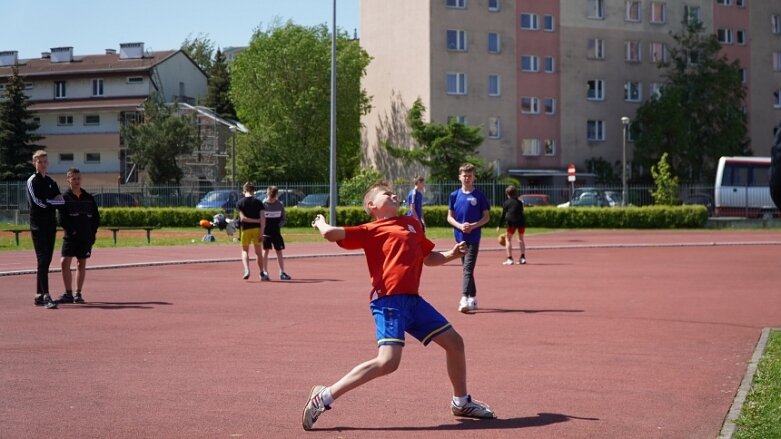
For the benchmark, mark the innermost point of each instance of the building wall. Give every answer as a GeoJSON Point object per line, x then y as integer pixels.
{"type": "Point", "coordinates": [103, 172]}
{"type": "Point", "coordinates": [763, 80]}
{"type": "Point", "coordinates": [179, 77]}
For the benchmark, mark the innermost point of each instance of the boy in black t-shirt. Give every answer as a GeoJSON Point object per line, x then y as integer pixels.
{"type": "Point", "coordinates": [252, 223]}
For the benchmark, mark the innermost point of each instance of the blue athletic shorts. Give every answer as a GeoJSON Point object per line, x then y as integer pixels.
{"type": "Point", "coordinates": [396, 314]}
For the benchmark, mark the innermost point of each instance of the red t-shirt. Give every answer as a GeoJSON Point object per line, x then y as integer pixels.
{"type": "Point", "coordinates": [395, 249]}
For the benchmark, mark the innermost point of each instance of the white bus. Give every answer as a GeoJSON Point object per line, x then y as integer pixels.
{"type": "Point", "coordinates": [741, 187]}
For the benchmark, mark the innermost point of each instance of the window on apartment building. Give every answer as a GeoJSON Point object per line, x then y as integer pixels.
{"type": "Point", "coordinates": [595, 130]}
{"type": "Point", "coordinates": [92, 157]}
{"type": "Point", "coordinates": [633, 91]}
{"type": "Point", "coordinates": [777, 61]}
{"type": "Point", "coordinates": [549, 105]}
{"type": "Point", "coordinates": [530, 63]}
{"type": "Point", "coordinates": [724, 2]}
{"type": "Point", "coordinates": [65, 120]}
{"type": "Point", "coordinates": [460, 4]}
{"type": "Point", "coordinates": [2, 87]}
{"type": "Point", "coordinates": [777, 99]}
{"type": "Point", "coordinates": [743, 73]}
{"type": "Point", "coordinates": [632, 10]}
{"type": "Point", "coordinates": [494, 85]}
{"type": "Point", "coordinates": [596, 49]}
{"type": "Point", "coordinates": [658, 53]}
{"type": "Point", "coordinates": [37, 120]}
{"type": "Point", "coordinates": [655, 90]}
{"type": "Point", "coordinates": [66, 157]}
{"type": "Point", "coordinates": [530, 105]}
{"type": "Point", "coordinates": [135, 80]}
{"type": "Point", "coordinates": [740, 3]}
{"type": "Point", "coordinates": [457, 119]}
{"type": "Point", "coordinates": [693, 57]}
{"type": "Point", "coordinates": [691, 14]}
{"type": "Point", "coordinates": [632, 51]}
{"type": "Point", "coordinates": [530, 146]}
{"type": "Point", "coordinates": [596, 9]}
{"type": "Point", "coordinates": [456, 83]}
{"type": "Point", "coordinates": [549, 64]}
{"type": "Point", "coordinates": [92, 119]}
{"type": "Point", "coordinates": [549, 147]}
{"type": "Point", "coordinates": [548, 23]}
{"type": "Point", "coordinates": [724, 36]}
{"type": "Point", "coordinates": [28, 85]}
{"type": "Point", "coordinates": [530, 21]}
{"type": "Point", "coordinates": [596, 90]}
{"type": "Point", "coordinates": [775, 21]}
{"type": "Point", "coordinates": [494, 6]}
{"type": "Point", "coordinates": [740, 36]}
{"type": "Point", "coordinates": [658, 12]}
{"type": "Point", "coordinates": [494, 128]}
{"type": "Point", "coordinates": [456, 40]}
{"type": "Point", "coordinates": [59, 89]}
{"type": "Point", "coordinates": [494, 42]}
{"type": "Point", "coordinates": [97, 87]}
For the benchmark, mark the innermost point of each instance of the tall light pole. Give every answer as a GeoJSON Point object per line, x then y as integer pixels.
{"type": "Point", "coordinates": [625, 123]}
{"type": "Point", "coordinates": [332, 169]}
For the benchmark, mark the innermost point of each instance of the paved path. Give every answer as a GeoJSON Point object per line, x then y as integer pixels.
{"type": "Point", "coordinates": [602, 335]}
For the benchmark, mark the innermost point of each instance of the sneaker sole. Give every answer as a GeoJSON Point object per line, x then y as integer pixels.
{"type": "Point", "coordinates": [315, 390]}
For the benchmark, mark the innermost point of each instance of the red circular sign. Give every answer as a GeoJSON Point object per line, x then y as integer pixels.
{"type": "Point", "coordinates": [571, 170]}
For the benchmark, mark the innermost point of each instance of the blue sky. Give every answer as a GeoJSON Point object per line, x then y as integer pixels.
{"type": "Point", "coordinates": [91, 26]}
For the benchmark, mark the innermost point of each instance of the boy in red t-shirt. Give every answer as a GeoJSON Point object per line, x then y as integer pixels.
{"type": "Point", "coordinates": [396, 250]}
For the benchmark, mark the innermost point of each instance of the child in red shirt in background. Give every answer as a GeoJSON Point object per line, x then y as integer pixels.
{"type": "Point", "coordinates": [396, 250]}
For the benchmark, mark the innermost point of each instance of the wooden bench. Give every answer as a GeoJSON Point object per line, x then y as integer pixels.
{"type": "Point", "coordinates": [115, 230]}
{"type": "Point", "coordinates": [16, 232]}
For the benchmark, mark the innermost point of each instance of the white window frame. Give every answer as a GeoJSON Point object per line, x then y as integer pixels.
{"type": "Point", "coordinates": [530, 105]}
{"type": "Point", "coordinates": [28, 85]}
{"type": "Point", "coordinates": [65, 157]}
{"type": "Point", "coordinates": [777, 61]}
{"type": "Point", "coordinates": [740, 37]}
{"type": "Point", "coordinates": [595, 130]}
{"type": "Point", "coordinates": [692, 13]}
{"type": "Point", "coordinates": [548, 23]}
{"type": "Point", "coordinates": [91, 119]}
{"type": "Point", "coordinates": [92, 158]}
{"type": "Point", "coordinates": [549, 105]}
{"type": "Point", "coordinates": [634, 11]}
{"type": "Point", "coordinates": [633, 51]}
{"type": "Point", "coordinates": [595, 48]}
{"type": "Point", "coordinates": [633, 91]}
{"type": "Point", "coordinates": [494, 6]}
{"type": "Point", "coordinates": [724, 2]}
{"type": "Point", "coordinates": [533, 61]}
{"type": "Point", "coordinates": [596, 9]}
{"type": "Point", "coordinates": [65, 120]}
{"type": "Point", "coordinates": [724, 35]}
{"type": "Point", "coordinates": [530, 147]}
{"type": "Point", "coordinates": [459, 81]}
{"type": "Point", "coordinates": [740, 3]}
{"type": "Point", "coordinates": [595, 90]}
{"type": "Point", "coordinates": [658, 12]}
{"type": "Point", "coordinates": [494, 85]}
{"type": "Point", "coordinates": [496, 38]}
{"type": "Point", "coordinates": [775, 23]}
{"type": "Point", "coordinates": [60, 90]}
{"type": "Point", "coordinates": [655, 90]}
{"type": "Point", "coordinates": [777, 99]}
{"type": "Point", "coordinates": [549, 147]}
{"type": "Point", "coordinates": [533, 21]}
{"type": "Point", "coordinates": [657, 52]}
{"type": "Point", "coordinates": [97, 87]}
{"type": "Point", "coordinates": [456, 40]}
{"type": "Point", "coordinates": [494, 128]}
{"type": "Point", "coordinates": [743, 75]}
{"type": "Point", "coordinates": [135, 80]}
{"type": "Point", "coordinates": [460, 118]}
{"type": "Point", "coordinates": [456, 4]}
{"type": "Point", "coordinates": [549, 64]}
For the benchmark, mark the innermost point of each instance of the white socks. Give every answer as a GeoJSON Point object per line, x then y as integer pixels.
{"type": "Point", "coordinates": [326, 397]}
{"type": "Point", "coordinates": [459, 401]}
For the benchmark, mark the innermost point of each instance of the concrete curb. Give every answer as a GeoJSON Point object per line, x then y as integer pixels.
{"type": "Point", "coordinates": [729, 428]}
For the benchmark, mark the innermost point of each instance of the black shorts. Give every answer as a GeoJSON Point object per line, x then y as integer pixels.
{"type": "Point", "coordinates": [275, 240]}
{"type": "Point", "coordinates": [76, 249]}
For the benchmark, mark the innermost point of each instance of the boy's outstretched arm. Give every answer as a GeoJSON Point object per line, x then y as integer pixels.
{"type": "Point", "coordinates": [328, 231]}
{"type": "Point", "coordinates": [439, 258]}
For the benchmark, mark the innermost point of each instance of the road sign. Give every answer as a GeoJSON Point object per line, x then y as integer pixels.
{"type": "Point", "coordinates": [571, 173]}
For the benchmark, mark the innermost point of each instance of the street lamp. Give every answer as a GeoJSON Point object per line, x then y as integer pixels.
{"type": "Point", "coordinates": [625, 123]}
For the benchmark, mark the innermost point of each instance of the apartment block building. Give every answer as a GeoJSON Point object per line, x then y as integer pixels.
{"type": "Point", "coordinates": [81, 102]}
{"type": "Point", "coordinates": [550, 80]}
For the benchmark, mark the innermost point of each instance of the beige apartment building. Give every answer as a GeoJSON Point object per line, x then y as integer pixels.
{"type": "Point", "coordinates": [549, 80]}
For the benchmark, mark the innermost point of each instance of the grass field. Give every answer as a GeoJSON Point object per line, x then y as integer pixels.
{"type": "Point", "coordinates": [761, 415]}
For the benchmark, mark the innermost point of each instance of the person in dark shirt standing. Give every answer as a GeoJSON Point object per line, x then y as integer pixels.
{"type": "Point", "coordinates": [252, 224]}
{"type": "Point", "coordinates": [80, 220]}
{"type": "Point", "coordinates": [512, 211]}
{"type": "Point", "coordinates": [274, 211]}
{"type": "Point", "coordinates": [44, 197]}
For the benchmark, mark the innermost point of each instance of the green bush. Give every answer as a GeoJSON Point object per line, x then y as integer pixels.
{"type": "Point", "coordinates": [154, 216]}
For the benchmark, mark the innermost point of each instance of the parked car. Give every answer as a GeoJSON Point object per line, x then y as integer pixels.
{"type": "Point", "coordinates": [115, 199]}
{"type": "Point", "coordinates": [314, 200]}
{"type": "Point", "coordinates": [224, 199]}
{"type": "Point", "coordinates": [703, 199]}
{"type": "Point", "coordinates": [288, 197]}
{"type": "Point", "coordinates": [592, 197]}
{"type": "Point", "coordinates": [534, 200]}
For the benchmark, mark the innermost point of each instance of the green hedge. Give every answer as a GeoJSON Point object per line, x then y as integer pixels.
{"type": "Point", "coordinates": [646, 217]}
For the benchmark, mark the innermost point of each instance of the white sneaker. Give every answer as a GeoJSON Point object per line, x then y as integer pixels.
{"type": "Point", "coordinates": [463, 305]}
{"type": "Point", "coordinates": [508, 261]}
{"type": "Point", "coordinates": [471, 303]}
{"type": "Point", "coordinates": [522, 261]}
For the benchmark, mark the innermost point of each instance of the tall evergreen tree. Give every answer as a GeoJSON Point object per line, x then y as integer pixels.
{"type": "Point", "coordinates": [698, 117]}
{"type": "Point", "coordinates": [219, 88]}
{"type": "Point", "coordinates": [17, 131]}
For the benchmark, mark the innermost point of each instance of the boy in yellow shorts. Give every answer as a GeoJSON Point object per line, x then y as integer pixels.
{"type": "Point", "coordinates": [252, 224]}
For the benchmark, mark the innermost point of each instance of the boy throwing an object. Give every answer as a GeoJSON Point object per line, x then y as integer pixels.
{"type": "Point", "coordinates": [396, 250]}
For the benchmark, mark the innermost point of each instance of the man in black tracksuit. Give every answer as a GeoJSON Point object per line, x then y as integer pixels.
{"type": "Point", "coordinates": [775, 168]}
{"type": "Point", "coordinates": [44, 197]}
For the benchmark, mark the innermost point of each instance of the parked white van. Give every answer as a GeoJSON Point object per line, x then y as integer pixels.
{"type": "Point", "coordinates": [741, 187]}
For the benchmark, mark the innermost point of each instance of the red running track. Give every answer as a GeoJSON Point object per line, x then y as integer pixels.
{"type": "Point", "coordinates": [602, 335]}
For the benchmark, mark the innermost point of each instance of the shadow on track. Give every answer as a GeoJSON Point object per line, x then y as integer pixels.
{"type": "Point", "coordinates": [540, 420]}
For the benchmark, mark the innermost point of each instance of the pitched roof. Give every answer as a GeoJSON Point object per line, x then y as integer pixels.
{"type": "Point", "coordinates": [88, 64]}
